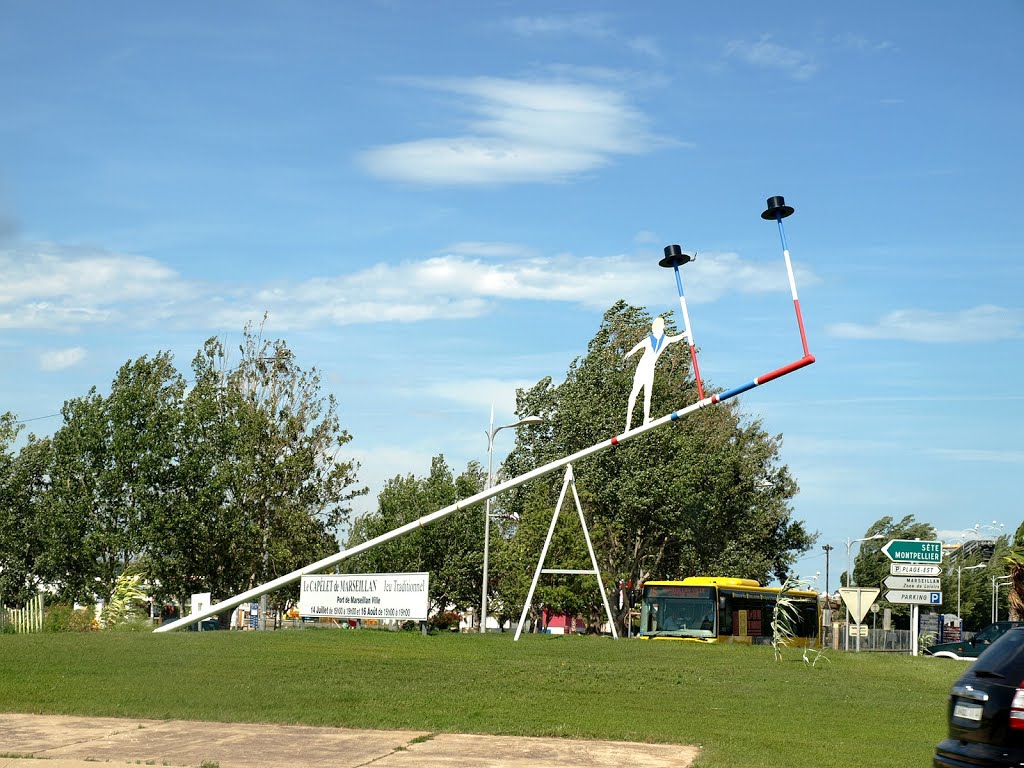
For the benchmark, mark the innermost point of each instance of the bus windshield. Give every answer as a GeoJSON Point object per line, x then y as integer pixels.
{"type": "Point", "coordinates": [678, 611]}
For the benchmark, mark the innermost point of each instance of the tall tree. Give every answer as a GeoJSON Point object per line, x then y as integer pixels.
{"type": "Point", "coordinates": [23, 479]}
{"type": "Point", "coordinates": [704, 496]}
{"type": "Point", "coordinates": [113, 470]}
{"type": "Point", "coordinates": [262, 482]}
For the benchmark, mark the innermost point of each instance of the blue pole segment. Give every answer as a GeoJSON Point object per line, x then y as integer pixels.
{"type": "Point", "coordinates": [679, 281]}
{"type": "Point", "coordinates": [782, 233]}
{"type": "Point", "coordinates": [737, 390]}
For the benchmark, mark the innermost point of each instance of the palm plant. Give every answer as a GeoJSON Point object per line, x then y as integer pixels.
{"type": "Point", "coordinates": [784, 619]}
{"type": "Point", "coordinates": [1015, 565]}
{"type": "Point", "coordinates": [123, 603]}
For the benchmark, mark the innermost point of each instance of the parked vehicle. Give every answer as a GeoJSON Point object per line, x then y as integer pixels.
{"type": "Point", "coordinates": [986, 709]}
{"type": "Point", "coordinates": [971, 649]}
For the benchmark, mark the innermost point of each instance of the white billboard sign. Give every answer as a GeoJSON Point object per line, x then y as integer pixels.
{"type": "Point", "coordinates": [389, 596]}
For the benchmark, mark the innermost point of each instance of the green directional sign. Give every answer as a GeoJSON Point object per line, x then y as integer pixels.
{"type": "Point", "coordinates": [913, 551]}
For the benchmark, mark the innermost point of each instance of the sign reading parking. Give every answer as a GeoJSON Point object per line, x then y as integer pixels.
{"type": "Point", "coordinates": [907, 551]}
{"type": "Point", "coordinates": [913, 597]}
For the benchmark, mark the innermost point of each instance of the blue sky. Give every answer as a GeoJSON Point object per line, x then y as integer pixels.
{"type": "Point", "coordinates": [436, 202]}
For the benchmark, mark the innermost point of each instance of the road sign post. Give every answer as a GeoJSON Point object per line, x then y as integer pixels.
{"type": "Point", "coordinates": [915, 561]}
{"type": "Point", "coordinates": [858, 600]}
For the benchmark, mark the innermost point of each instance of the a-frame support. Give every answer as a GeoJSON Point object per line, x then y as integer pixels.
{"type": "Point", "coordinates": [569, 482]}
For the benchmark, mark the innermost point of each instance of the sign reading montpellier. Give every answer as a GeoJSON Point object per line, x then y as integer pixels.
{"type": "Point", "coordinates": [907, 551]}
{"type": "Point", "coordinates": [395, 596]}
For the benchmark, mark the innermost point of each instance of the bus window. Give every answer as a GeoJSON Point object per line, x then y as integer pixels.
{"type": "Point", "coordinates": [678, 611]}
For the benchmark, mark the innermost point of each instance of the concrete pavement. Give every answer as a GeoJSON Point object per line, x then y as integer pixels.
{"type": "Point", "coordinates": [80, 742]}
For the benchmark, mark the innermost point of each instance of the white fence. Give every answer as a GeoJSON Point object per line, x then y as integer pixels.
{"type": "Point", "coordinates": [23, 620]}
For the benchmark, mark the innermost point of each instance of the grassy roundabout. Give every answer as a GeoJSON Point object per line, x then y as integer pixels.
{"type": "Point", "coordinates": [741, 706]}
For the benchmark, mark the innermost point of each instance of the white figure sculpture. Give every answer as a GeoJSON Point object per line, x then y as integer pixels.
{"type": "Point", "coordinates": [652, 347]}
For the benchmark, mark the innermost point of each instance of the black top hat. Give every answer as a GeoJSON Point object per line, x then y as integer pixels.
{"type": "Point", "coordinates": [674, 257]}
{"type": "Point", "coordinates": [777, 208]}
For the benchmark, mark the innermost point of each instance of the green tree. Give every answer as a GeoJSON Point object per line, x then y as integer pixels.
{"type": "Point", "coordinates": [261, 485]}
{"type": "Point", "coordinates": [704, 496]}
{"type": "Point", "coordinates": [23, 479]}
{"type": "Point", "coordinates": [112, 471]}
{"type": "Point", "coordinates": [450, 549]}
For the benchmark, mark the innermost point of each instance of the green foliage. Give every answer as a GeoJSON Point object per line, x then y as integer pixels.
{"type": "Point", "coordinates": [123, 606]}
{"type": "Point", "coordinates": [63, 617]}
{"type": "Point", "coordinates": [212, 489]}
{"type": "Point", "coordinates": [23, 479]}
{"type": "Point", "coordinates": [445, 621]}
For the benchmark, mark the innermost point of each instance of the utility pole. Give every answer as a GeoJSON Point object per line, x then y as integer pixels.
{"type": "Point", "coordinates": [828, 548]}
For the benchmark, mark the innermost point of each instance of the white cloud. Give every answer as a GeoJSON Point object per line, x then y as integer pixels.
{"type": "Point", "coordinates": [50, 286]}
{"type": "Point", "coordinates": [464, 283]}
{"type": "Point", "coordinates": [521, 132]}
{"type": "Point", "coordinates": [768, 55]}
{"type": "Point", "coordinates": [982, 323]}
{"type": "Point", "coordinates": [59, 359]}
{"type": "Point", "coordinates": [482, 392]}
{"type": "Point", "coordinates": [592, 25]}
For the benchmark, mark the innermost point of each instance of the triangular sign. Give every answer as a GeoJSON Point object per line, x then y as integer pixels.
{"type": "Point", "coordinates": [858, 600]}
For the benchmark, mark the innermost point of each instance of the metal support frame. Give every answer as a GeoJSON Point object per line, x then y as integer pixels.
{"type": "Point", "coordinates": [568, 482]}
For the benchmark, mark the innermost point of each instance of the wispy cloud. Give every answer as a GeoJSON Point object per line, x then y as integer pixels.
{"type": "Point", "coordinates": [54, 286]}
{"type": "Point", "coordinates": [985, 455]}
{"type": "Point", "coordinates": [590, 26]}
{"type": "Point", "coordinates": [465, 282]}
{"type": "Point", "coordinates": [59, 359]}
{"type": "Point", "coordinates": [982, 323]}
{"type": "Point", "coordinates": [769, 55]}
{"type": "Point", "coordinates": [521, 131]}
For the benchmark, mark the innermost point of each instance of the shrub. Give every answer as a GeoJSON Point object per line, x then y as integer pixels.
{"type": "Point", "coordinates": [62, 617]}
{"type": "Point", "coordinates": [445, 620]}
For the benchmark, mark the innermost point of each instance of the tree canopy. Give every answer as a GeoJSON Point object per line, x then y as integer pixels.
{"type": "Point", "coordinates": [210, 488]}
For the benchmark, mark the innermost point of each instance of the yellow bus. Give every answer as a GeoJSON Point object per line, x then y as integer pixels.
{"type": "Point", "coordinates": [714, 609]}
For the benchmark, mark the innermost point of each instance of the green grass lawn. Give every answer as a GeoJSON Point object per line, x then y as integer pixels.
{"type": "Point", "coordinates": [741, 706]}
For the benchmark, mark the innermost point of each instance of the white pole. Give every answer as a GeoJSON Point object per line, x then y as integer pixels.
{"type": "Point", "coordinates": [914, 618]}
{"type": "Point", "coordinates": [487, 521]}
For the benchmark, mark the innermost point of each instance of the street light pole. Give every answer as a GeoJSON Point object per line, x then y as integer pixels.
{"type": "Point", "coordinates": [491, 432]}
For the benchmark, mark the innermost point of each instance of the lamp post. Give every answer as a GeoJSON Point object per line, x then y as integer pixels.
{"type": "Point", "coordinates": [849, 580]}
{"type": "Point", "coordinates": [491, 432]}
{"type": "Point", "coordinates": [997, 582]}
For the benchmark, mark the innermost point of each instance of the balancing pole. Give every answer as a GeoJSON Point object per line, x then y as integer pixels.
{"type": "Point", "coordinates": [675, 258]}
{"type": "Point", "coordinates": [778, 210]}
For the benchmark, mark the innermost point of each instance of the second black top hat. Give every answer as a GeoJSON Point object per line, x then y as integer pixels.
{"type": "Point", "coordinates": [777, 208]}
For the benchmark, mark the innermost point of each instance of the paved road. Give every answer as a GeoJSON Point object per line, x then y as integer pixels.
{"type": "Point", "coordinates": [79, 742]}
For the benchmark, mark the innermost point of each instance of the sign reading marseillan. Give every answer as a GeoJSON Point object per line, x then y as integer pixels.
{"type": "Point", "coordinates": [397, 596]}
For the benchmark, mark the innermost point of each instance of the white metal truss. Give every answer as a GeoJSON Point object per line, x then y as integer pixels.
{"type": "Point", "coordinates": [569, 482]}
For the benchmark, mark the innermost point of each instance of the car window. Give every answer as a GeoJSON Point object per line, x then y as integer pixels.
{"type": "Point", "coordinates": [1005, 655]}
{"type": "Point", "coordinates": [988, 634]}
